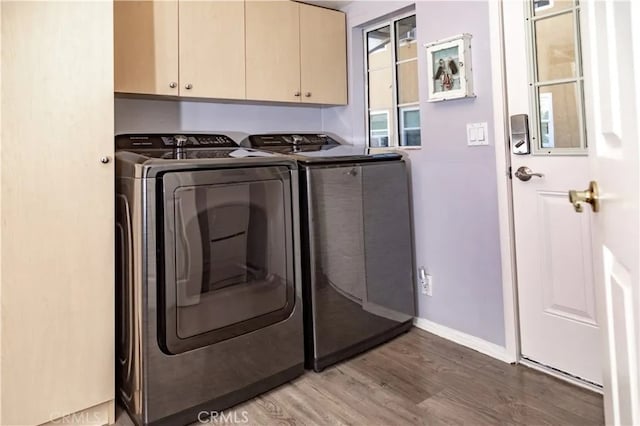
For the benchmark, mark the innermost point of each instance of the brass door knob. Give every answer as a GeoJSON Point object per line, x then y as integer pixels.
{"type": "Point", "coordinates": [591, 196]}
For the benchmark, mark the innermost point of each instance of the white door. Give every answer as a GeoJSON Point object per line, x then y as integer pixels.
{"type": "Point", "coordinates": [612, 89]}
{"type": "Point", "coordinates": [559, 324]}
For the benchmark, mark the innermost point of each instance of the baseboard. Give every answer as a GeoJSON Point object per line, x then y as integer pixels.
{"type": "Point", "coordinates": [471, 342]}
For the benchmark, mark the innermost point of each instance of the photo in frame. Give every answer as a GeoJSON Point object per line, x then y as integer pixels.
{"type": "Point", "coordinates": [449, 68]}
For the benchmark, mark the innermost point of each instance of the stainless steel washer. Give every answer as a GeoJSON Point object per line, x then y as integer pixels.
{"type": "Point", "coordinates": [208, 282]}
{"type": "Point", "coordinates": [357, 247]}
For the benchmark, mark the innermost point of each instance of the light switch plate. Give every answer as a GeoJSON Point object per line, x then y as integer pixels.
{"type": "Point", "coordinates": [477, 134]}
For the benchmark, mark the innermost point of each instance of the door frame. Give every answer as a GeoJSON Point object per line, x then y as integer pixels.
{"type": "Point", "coordinates": [503, 182]}
{"type": "Point", "coordinates": [505, 200]}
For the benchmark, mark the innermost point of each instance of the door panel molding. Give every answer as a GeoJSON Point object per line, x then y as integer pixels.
{"type": "Point", "coordinates": [556, 217]}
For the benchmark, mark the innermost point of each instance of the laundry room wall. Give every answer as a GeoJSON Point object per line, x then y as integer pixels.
{"type": "Point", "coordinates": [454, 186]}
{"type": "Point", "coordinates": [155, 115]}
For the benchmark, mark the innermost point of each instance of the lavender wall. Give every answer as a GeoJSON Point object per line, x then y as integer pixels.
{"type": "Point", "coordinates": [454, 186]}
{"type": "Point", "coordinates": [145, 115]}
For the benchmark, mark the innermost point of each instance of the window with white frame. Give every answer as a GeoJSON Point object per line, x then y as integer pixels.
{"type": "Point", "coordinates": [379, 129]}
{"type": "Point", "coordinates": [410, 126]}
{"type": "Point", "coordinates": [555, 77]}
{"type": "Point", "coordinates": [392, 83]}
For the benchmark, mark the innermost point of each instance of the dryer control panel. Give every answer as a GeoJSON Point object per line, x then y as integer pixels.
{"type": "Point", "coordinates": [258, 141]}
{"type": "Point", "coordinates": [167, 141]}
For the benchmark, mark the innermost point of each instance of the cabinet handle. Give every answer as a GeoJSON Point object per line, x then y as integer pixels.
{"type": "Point", "coordinates": [105, 160]}
{"type": "Point", "coordinates": [173, 84]}
{"type": "Point", "coordinates": [297, 94]}
{"type": "Point", "coordinates": [308, 94]}
{"type": "Point", "coordinates": [188, 86]}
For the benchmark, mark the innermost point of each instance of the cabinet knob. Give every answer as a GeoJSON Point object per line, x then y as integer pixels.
{"type": "Point", "coordinates": [308, 94]}
{"type": "Point", "coordinates": [105, 160]}
{"type": "Point", "coordinates": [296, 94]}
{"type": "Point", "coordinates": [173, 84]}
{"type": "Point", "coordinates": [188, 86]}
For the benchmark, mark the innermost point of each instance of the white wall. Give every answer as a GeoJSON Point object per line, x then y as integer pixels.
{"type": "Point", "coordinates": [153, 115]}
{"type": "Point", "coordinates": [454, 186]}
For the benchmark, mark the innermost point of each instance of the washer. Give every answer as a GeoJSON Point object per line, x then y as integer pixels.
{"type": "Point", "coordinates": [357, 248]}
{"type": "Point", "coordinates": [208, 282]}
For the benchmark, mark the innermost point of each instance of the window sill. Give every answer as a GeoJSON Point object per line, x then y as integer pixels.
{"type": "Point", "coordinates": [395, 148]}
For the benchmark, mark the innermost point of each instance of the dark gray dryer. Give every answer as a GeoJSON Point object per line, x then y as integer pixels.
{"type": "Point", "coordinates": [357, 247]}
{"type": "Point", "coordinates": [208, 288]}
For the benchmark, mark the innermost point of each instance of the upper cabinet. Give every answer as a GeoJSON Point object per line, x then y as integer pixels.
{"type": "Point", "coordinates": [273, 50]}
{"type": "Point", "coordinates": [185, 48]}
{"type": "Point", "coordinates": [323, 56]}
{"type": "Point", "coordinates": [279, 51]}
{"type": "Point", "coordinates": [146, 47]}
{"type": "Point", "coordinates": [295, 52]}
{"type": "Point", "coordinates": [212, 49]}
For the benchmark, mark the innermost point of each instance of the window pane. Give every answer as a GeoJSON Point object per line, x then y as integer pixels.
{"type": "Point", "coordinates": [410, 127]}
{"type": "Point", "coordinates": [406, 46]}
{"type": "Point", "coordinates": [381, 89]}
{"type": "Point", "coordinates": [379, 122]}
{"type": "Point", "coordinates": [545, 7]}
{"type": "Point", "coordinates": [378, 48]}
{"type": "Point", "coordinates": [560, 113]}
{"type": "Point", "coordinates": [407, 82]}
{"type": "Point", "coordinates": [555, 47]}
{"type": "Point", "coordinates": [378, 129]}
{"type": "Point", "coordinates": [410, 138]}
{"type": "Point", "coordinates": [378, 141]}
{"type": "Point", "coordinates": [411, 119]}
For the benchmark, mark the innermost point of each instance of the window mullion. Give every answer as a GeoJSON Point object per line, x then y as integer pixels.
{"type": "Point", "coordinates": [394, 79]}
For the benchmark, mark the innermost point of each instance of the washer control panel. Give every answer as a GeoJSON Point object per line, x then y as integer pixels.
{"type": "Point", "coordinates": [167, 141]}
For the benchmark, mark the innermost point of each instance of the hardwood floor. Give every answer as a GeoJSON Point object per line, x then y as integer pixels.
{"type": "Point", "coordinates": [421, 379]}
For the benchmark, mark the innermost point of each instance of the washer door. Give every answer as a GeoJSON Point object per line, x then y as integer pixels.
{"type": "Point", "coordinates": [227, 264]}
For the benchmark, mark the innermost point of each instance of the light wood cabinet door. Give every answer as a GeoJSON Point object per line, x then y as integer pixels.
{"type": "Point", "coordinates": [212, 49]}
{"type": "Point", "coordinates": [273, 50]}
{"type": "Point", "coordinates": [323, 55]}
{"type": "Point", "coordinates": [57, 203]}
{"type": "Point", "coordinates": [146, 47]}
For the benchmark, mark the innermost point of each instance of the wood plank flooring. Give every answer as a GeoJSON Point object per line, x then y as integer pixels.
{"type": "Point", "coordinates": [421, 379]}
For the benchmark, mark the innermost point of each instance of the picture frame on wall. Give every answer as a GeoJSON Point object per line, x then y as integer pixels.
{"type": "Point", "coordinates": [449, 69]}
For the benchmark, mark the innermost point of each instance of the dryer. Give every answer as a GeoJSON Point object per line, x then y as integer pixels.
{"type": "Point", "coordinates": [357, 245]}
{"type": "Point", "coordinates": [208, 277]}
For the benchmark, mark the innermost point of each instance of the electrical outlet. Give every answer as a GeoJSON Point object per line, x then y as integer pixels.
{"type": "Point", "coordinates": [425, 281]}
{"type": "Point", "coordinates": [429, 285]}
